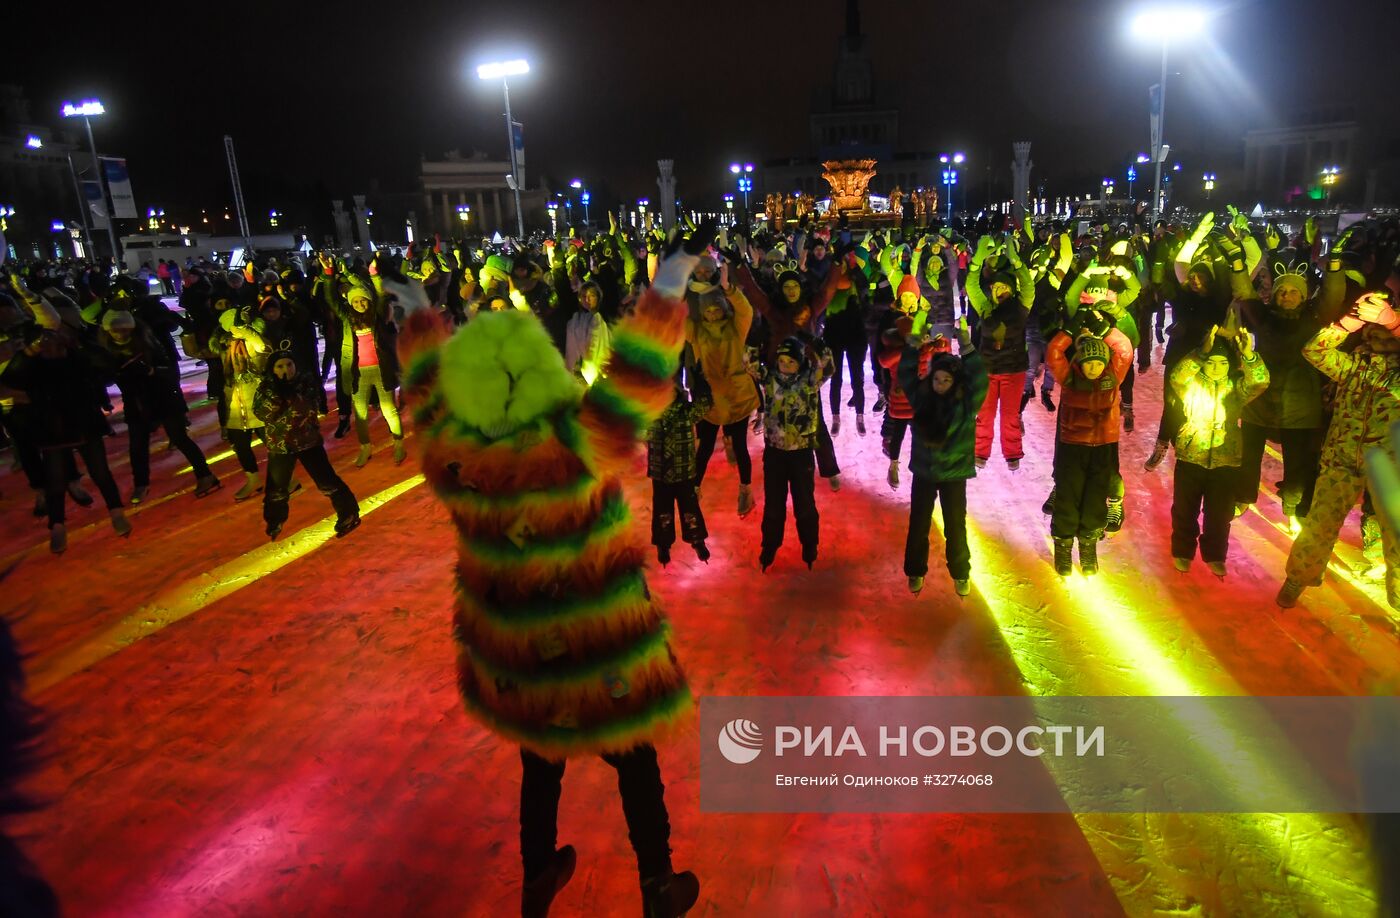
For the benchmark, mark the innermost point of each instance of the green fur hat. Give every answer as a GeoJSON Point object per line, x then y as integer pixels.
{"type": "Point", "coordinates": [501, 372]}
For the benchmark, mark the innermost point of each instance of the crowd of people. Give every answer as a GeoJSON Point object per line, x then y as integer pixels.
{"type": "Point", "coordinates": [598, 341]}
{"type": "Point", "coordinates": [957, 326]}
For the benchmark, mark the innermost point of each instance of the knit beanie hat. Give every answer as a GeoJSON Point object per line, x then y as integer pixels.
{"type": "Point", "coordinates": [794, 348]}
{"type": "Point", "coordinates": [1091, 348]}
{"type": "Point", "coordinates": [909, 285]}
{"type": "Point", "coordinates": [789, 275]}
{"type": "Point", "coordinates": [1098, 289]}
{"type": "Point", "coordinates": [713, 297]}
{"type": "Point", "coordinates": [945, 362]}
{"type": "Point", "coordinates": [359, 289]}
{"type": "Point", "coordinates": [270, 278]}
{"type": "Point", "coordinates": [1004, 277]}
{"type": "Point", "coordinates": [118, 319]}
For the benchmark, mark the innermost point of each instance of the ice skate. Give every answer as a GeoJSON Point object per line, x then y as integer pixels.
{"type": "Point", "coordinates": [1064, 557]}
{"type": "Point", "coordinates": [206, 485]}
{"type": "Point", "coordinates": [916, 585]}
{"type": "Point", "coordinates": [58, 538]}
{"type": "Point", "coordinates": [893, 475]}
{"type": "Point", "coordinates": [1049, 506]}
{"type": "Point", "coordinates": [539, 893]}
{"type": "Point", "coordinates": [1217, 568]}
{"type": "Point", "coordinates": [962, 587]}
{"type": "Point", "coordinates": [1115, 516]}
{"type": "Point", "coordinates": [670, 896]}
{"type": "Point", "coordinates": [746, 501]}
{"type": "Point", "coordinates": [835, 482]}
{"type": "Point", "coordinates": [1288, 594]}
{"type": "Point", "coordinates": [139, 494]}
{"type": "Point", "coordinates": [400, 451]}
{"type": "Point", "coordinates": [81, 497]}
{"type": "Point", "coordinates": [836, 425]}
{"type": "Point", "coordinates": [251, 486]}
{"type": "Point", "coordinates": [1089, 555]}
{"type": "Point", "coordinates": [1128, 418]}
{"type": "Point", "coordinates": [120, 524]}
{"type": "Point", "coordinates": [1159, 452]}
{"type": "Point", "coordinates": [363, 457]}
{"type": "Point", "coordinates": [860, 424]}
{"type": "Point", "coordinates": [1047, 401]}
{"type": "Point", "coordinates": [1183, 565]}
{"type": "Point", "coordinates": [663, 555]}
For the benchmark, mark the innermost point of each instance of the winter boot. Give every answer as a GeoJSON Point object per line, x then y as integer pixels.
{"type": "Point", "coordinates": [80, 497]}
{"type": "Point", "coordinates": [835, 482]}
{"type": "Point", "coordinates": [349, 524]}
{"type": "Point", "coordinates": [1217, 568]}
{"type": "Point", "coordinates": [1288, 594]}
{"type": "Point", "coordinates": [342, 428]}
{"type": "Point", "coordinates": [1049, 506]}
{"type": "Point", "coordinates": [537, 895]}
{"type": "Point", "coordinates": [836, 425]}
{"type": "Point", "coordinates": [363, 457]}
{"type": "Point", "coordinates": [400, 451]}
{"type": "Point", "coordinates": [746, 501]}
{"type": "Point", "coordinates": [893, 475]}
{"type": "Point", "coordinates": [962, 587]}
{"type": "Point", "coordinates": [1115, 515]}
{"type": "Point", "coordinates": [663, 554]}
{"type": "Point", "coordinates": [1047, 401]}
{"type": "Point", "coordinates": [880, 403]}
{"type": "Point", "coordinates": [1013, 465]}
{"type": "Point", "coordinates": [758, 422]}
{"type": "Point", "coordinates": [669, 896]}
{"type": "Point", "coordinates": [207, 485]}
{"type": "Point", "coordinates": [1182, 564]}
{"type": "Point", "coordinates": [273, 531]}
{"type": "Point", "coordinates": [1064, 557]}
{"type": "Point", "coordinates": [702, 551]}
{"type": "Point", "coordinates": [860, 424]}
{"type": "Point", "coordinates": [252, 486]}
{"type": "Point", "coordinates": [1026, 399]}
{"type": "Point", "coordinates": [1128, 418]}
{"type": "Point", "coordinates": [916, 585]}
{"type": "Point", "coordinates": [1159, 452]}
{"type": "Point", "coordinates": [120, 524]}
{"type": "Point", "coordinates": [58, 538]}
{"type": "Point", "coordinates": [139, 494]}
{"type": "Point", "coordinates": [1089, 555]}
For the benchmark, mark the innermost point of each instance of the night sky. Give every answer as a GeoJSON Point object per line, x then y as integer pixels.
{"type": "Point", "coordinates": [322, 105]}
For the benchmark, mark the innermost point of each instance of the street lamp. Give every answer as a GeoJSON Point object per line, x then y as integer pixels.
{"type": "Point", "coordinates": [1209, 180]}
{"type": "Point", "coordinates": [950, 177]}
{"type": "Point", "coordinates": [745, 182]}
{"type": "Point", "coordinates": [501, 70]}
{"type": "Point", "coordinates": [729, 206]}
{"type": "Point", "coordinates": [33, 142]}
{"type": "Point", "coordinates": [553, 209]}
{"type": "Point", "coordinates": [153, 218]}
{"type": "Point", "coordinates": [585, 198]}
{"type": "Point", "coordinates": [272, 217]}
{"type": "Point", "coordinates": [86, 109]}
{"type": "Point", "coordinates": [1164, 24]}
{"type": "Point", "coordinates": [1329, 178]}
{"type": "Point", "coordinates": [464, 213]}
{"type": "Point", "coordinates": [6, 211]}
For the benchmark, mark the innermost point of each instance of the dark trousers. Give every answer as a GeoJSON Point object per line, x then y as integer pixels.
{"type": "Point", "coordinates": [827, 466]}
{"type": "Point", "coordinates": [892, 431]}
{"type": "Point", "coordinates": [1125, 389]}
{"type": "Point", "coordinates": [280, 467]}
{"type": "Point", "coordinates": [57, 465]}
{"type": "Point", "coordinates": [1196, 488]}
{"type": "Point", "coordinates": [878, 373]}
{"type": "Point", "coordinates": [738, 436]}
{"type": "Point", "coordinates": [668, 499]}
{"type": "Point", "coordinates": [1083, 478]}
{"type": "Point", "coordinates": [1301, 454]}
{"type": "Point", "coordinates": [953, 496]}
{"type": "Point", "coordinates": [242, 443]}
{"type": "Point", "coordinates": [138, 434]}
{"type": "Point", "coordinates": [214, 388]}
{"type": "Point", "coordinates": [643, 805]}
{"type": "Point", "coordinates": [852, 351]}
{"type": "Point", "coordinates": [18, 424]}
{"type": "Point", "coordinates": [792, 471]}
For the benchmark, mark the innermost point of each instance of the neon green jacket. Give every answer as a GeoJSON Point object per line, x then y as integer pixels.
{"type": "Point", "coordinates": [1210, 437]}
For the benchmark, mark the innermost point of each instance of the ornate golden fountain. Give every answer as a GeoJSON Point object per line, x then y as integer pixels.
{"type": "Point", "coordinates": [850, 181]}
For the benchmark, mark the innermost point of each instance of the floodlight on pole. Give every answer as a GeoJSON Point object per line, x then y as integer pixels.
{"type": "Point", "coordinates": [1163, 24]}
{"type": "Point", "coordinates": [86, 109]}
{"type": "Point", "coordinates": [501, 70]}
{"type": "Point", "coordinates": [33, 142]}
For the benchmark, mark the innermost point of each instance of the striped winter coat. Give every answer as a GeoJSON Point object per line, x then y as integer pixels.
{"type": "Point", "coordinates": [561, 646]}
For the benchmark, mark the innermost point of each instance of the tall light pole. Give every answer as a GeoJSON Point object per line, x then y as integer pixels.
{"type": "Point", "coordinates": [1329, 178]}
{"type": "Point", "coordinates": [1209, 181]}
{"type": "Point", "coordinates": [34, 142]}
{"type": "Point", "coordinates": [1165, 23]}
{"type": "Point", "coordinates": [745, 183]}
{"type": "Point", "coordinates": [502, 70]}
{"type": "Point", "coordinates": [577, 185]}
{"type": "Point", "coordinates": [86, 109]}
{"type": "Point", "coordinates": [950, 176]}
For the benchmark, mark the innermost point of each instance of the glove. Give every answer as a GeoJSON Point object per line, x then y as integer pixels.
{"type": "Point", "coordinates": [682, 255]}
{"type": "Point", "coordinates": [1203, 228]}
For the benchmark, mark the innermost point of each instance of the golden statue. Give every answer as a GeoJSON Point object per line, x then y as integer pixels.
{"type": "Point", "coordinates": [849, 180]}
{"type": "Point", "coordinates": [917, 196]}
{"type": "Point", "coordinates": [805, 204]}
{"type": "Point", "coordinates": [773, 208]}
{"type": "Point", "coordinates": [897, 202]}
{"type": "Point", "coordinates": [931, 202]}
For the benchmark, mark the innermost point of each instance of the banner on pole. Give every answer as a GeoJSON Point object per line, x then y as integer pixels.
{"type": "Point", "coordinates": [97, 207]}
{"type": "Point", "coordinates": [1154, 96]}
{"type": "Point", "coordinates": [119, 186]}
